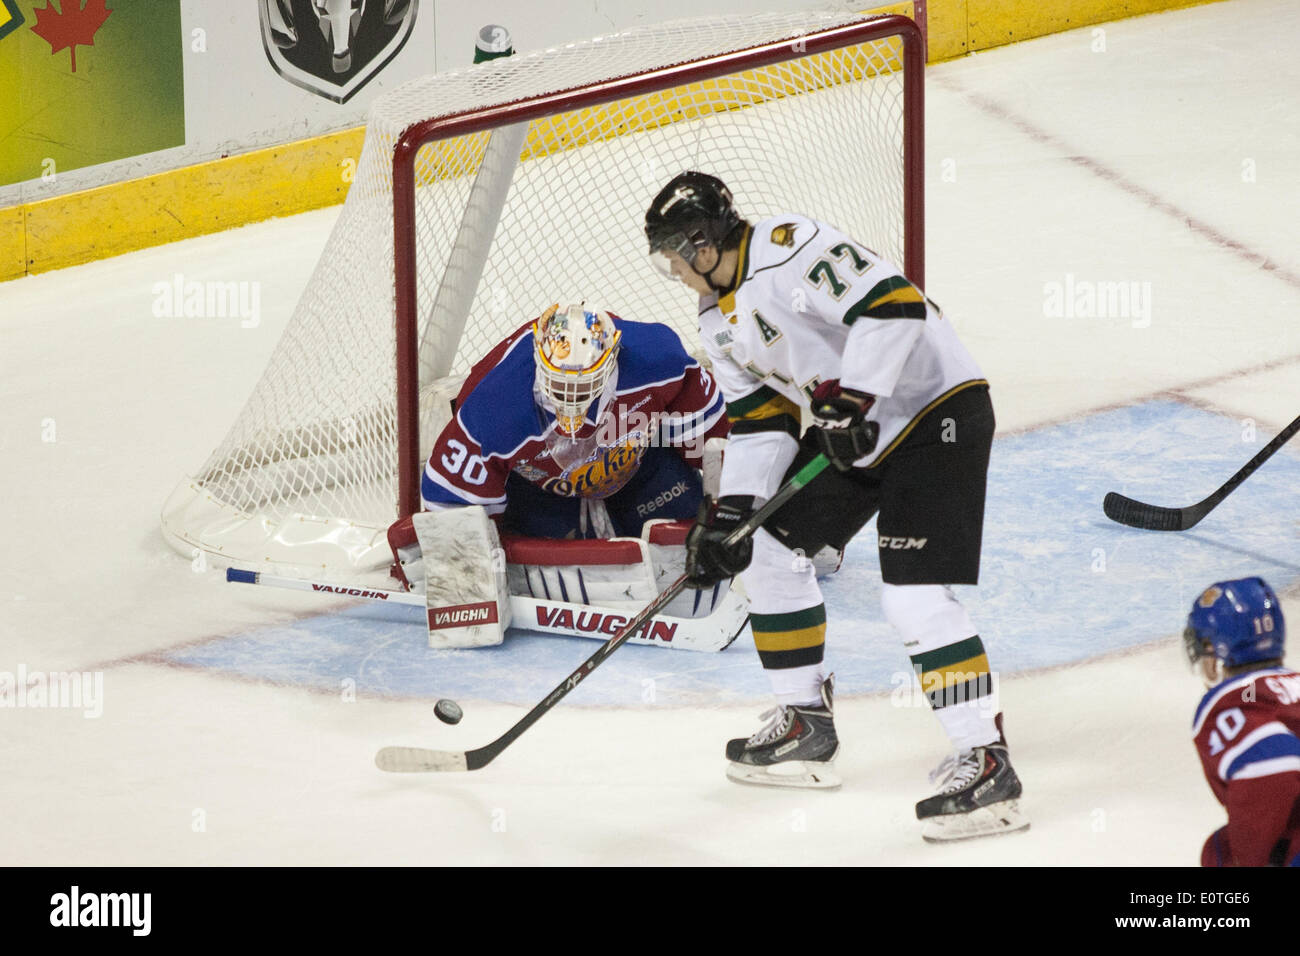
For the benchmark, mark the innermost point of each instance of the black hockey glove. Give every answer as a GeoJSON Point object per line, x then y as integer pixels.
{"type": "Point", "coordinates": [839, 417]}
{"type": "Point", "coordinates": [708, 559]}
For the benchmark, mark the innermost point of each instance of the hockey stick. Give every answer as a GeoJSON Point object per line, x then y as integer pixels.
{"type": "Point", "coordinates": [1137, 514]}
{"type": "Point", "coordinates": [560, 618]}
{"type": "Point", "coordinates": [418, 759]}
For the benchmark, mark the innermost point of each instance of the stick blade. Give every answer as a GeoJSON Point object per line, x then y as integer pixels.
{"type": "Point", "coordinates": [419, 760]}
{"type": "Point", "coordinates": [1137, 514]}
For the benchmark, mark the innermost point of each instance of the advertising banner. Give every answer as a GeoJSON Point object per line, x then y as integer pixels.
{"type": "Point", "coordinates": [83, 84]}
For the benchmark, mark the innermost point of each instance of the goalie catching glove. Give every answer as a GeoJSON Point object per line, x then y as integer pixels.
{"type": "Point", "coordinates": [839, 415]}
{"type": "Point", "coordinates": [708, 558]}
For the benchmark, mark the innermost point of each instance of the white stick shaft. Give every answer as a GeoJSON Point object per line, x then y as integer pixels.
{"type": "Point", "coordinates": [390, 595]}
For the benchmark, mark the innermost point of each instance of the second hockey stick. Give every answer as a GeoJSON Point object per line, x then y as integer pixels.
{"type": "Point", "coordinates": [1137, 514]}
{"type": "Point", "coordinates": [419, 759]}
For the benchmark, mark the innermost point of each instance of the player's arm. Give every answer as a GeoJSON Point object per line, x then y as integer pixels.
{"type": "Point", "coordinates": [849, 285]}
{"type": "Point", "coordinates": [762, 443]}
{"type": "Point", "coordinates": [458, 474]}
{"type": "Point", "coordinates": [764, 427]}
{"type": "Point", "coordinates": [763, 440]}
{"type": "Point", "coordinates": [1262, 813]}
{"type": "Point", "coordinates": [1261, 770]}
{"type": "Point", "coordinates": [695, 413]}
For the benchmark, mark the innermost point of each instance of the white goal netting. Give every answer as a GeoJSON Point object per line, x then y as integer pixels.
{"type": "Point", "coordinates": [513, 218]}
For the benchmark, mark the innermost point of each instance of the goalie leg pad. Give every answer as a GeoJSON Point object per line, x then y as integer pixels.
{"type": "Point", "coordinates": [465, 577]}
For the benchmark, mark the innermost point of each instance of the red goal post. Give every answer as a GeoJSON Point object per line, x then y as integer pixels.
{"type": "Point", "coordinates": [467, 122]}
{"type": "Point", "coordinates": [485, 194]}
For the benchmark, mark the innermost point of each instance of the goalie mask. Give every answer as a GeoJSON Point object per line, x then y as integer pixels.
{"type": "Point", "coordinates": [576, 350]}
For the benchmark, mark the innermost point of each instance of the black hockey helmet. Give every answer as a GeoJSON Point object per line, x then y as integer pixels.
{"type": "Point", "coordinates": [693, 211]}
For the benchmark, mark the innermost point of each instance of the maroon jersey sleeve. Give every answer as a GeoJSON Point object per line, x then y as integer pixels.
{"type": "Point", "coordinates": [458, 473]}
{"type": "Point", "coordinates": [694, 414]}
{"type": "Point", "coordinates": [1246, 737]}
{"type": "Point", "coordinates": [1262, 819]}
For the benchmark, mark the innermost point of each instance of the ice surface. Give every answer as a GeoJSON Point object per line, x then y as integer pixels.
{"type": "Point", "coordinates": [238, 726]}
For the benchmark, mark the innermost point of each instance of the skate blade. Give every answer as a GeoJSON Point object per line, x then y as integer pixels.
{"type": "Point", "coordinates": [802, 774]}
{"type": "Point", "coordinates": [995, 819]}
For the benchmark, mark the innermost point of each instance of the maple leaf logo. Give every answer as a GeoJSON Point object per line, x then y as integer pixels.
{"type": "Point", "coordinates": [72, 26]}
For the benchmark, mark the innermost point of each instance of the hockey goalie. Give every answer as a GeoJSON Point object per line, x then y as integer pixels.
{"type": "Point", "coordinates": [564, 483]}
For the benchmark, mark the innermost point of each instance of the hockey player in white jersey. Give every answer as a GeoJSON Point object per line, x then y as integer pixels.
{"type": "Point", "coordinates": [796, 315]}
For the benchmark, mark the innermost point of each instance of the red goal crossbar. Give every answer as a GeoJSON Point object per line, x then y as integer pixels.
{"type": "Point", "coordinates": [410, 455]}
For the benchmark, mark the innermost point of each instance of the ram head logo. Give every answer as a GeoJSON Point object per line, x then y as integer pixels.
{"type": "Point", "coordinates": [334, 47]}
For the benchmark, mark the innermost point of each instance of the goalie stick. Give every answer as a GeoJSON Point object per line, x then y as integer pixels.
{"type": "Point", "coordinates": [714, 632]}
{"type": "Point", "coordinates": [1138, 514]}
{"type": "Point", "coordinates": [419, 759]}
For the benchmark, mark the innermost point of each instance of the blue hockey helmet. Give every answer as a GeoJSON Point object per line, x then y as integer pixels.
{"type": "Point", "coordinates": [1238, 622]}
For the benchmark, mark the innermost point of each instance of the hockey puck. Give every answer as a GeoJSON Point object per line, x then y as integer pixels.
{"type": "Point", "coordinates": [448, 711]}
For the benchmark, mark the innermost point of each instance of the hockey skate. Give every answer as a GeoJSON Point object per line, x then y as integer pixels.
{"type": "Point", "coordinates": [795, 748]}
{"type": "Point", "coordinates": [978, 795]}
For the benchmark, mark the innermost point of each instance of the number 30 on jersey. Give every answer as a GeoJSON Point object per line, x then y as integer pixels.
{"type": "Point", "coordinates": [475, 472]}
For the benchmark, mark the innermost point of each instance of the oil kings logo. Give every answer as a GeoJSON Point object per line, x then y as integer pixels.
{"type": "Point", "coordinates": [334, 49]}
{"type": "Point", "coordinates": [599, 478]}
{"type": "Point", "coordinates": [75, 908]}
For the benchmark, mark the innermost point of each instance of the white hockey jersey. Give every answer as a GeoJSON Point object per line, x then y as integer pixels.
{"type": "Point", "coordinates": [811, 304]}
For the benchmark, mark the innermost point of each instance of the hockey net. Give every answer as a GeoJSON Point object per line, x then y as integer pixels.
{"type": "Point", "coordinates": [486, 194]}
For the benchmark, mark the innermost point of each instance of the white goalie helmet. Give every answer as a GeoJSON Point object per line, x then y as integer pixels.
{"type": "Point", "coordinates": [576, 350]}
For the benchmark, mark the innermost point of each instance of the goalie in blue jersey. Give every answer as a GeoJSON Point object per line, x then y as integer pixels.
{"type": "Point", "coordinates": [577, 428]}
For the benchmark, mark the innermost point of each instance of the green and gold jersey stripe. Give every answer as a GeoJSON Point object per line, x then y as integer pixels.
{"type": "Point", "coordinates": [766, 402]}
{"type": "Point", "coordinates": [892, 298]}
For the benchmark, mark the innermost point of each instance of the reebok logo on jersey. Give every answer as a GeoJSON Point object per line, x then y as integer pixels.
{"type": "Point", "coordinates": [462, 615]}
{"type": "Point", "coordinates": [888, 543]}
{"type": "Point", "coordinates": [661, 499]}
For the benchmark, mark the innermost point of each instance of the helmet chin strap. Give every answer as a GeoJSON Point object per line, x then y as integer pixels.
{"type": "Point", "coordinates": [708, 276]}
